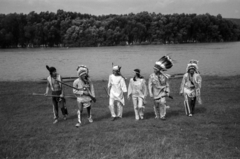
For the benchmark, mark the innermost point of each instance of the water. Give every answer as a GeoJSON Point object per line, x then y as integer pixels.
{"type": "Point", "coordinates": [29, 64]}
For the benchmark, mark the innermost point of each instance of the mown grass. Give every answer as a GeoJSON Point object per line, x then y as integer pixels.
{"type": "Point", "coordinates": [213, 132]}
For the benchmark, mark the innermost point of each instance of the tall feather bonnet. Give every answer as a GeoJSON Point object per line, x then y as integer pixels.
{"type": "Point", "coordinates": [164, 63]}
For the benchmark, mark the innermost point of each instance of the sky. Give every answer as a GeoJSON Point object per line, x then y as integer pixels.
{"type": "Point", "coordinates": [227, 8]}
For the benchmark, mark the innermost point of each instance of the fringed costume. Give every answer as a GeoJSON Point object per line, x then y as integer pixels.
{"type": "Point", "coordinates": [159, 86]}
{"type": "Point", "coordinates": [85, 93]}
{"type": "Point", "coordinates": [190, 87]}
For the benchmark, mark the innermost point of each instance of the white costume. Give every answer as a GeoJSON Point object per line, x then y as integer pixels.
{"type": "Point", "coordinates": [117, 86]}
{"type": "Point", "coordinates": [138, 89]}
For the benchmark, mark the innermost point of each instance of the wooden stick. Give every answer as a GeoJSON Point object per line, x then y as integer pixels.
{"type": "Point", "coordinates": [70, 86]}
{"type": "Point", "coordinates": [67, 96]}
{"type": "Point", "coordinates": [106, 92]}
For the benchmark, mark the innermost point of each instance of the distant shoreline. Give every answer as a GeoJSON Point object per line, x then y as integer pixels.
{"type": "Point", "coordinates": [42, 81]}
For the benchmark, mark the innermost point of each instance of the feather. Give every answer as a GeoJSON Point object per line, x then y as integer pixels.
{"type": "Point", "coordinates": [47, 67]}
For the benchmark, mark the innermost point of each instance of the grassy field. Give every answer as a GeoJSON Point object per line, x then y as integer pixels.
{"type": "Point", "coordinates": [27, 131]}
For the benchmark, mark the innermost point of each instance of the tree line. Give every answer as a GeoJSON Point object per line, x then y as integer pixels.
{"type": "Point", "coordinates": [69, 29]}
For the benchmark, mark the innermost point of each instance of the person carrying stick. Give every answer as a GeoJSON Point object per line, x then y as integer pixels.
{"type": "Point", "coordinates": [84, 91]}
{"type": "Point", "coordinates": [57, 90]}
{"type": "Point", "coordinates": [190, 87]}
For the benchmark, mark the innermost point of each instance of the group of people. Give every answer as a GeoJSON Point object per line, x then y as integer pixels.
{"type": "Point", "coordinates": [158, 89]}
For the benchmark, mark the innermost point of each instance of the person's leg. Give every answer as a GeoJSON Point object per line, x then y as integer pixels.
{"type": "Point", "coordinates": [189, 106]}
{"type": "Point", "coordinates": [162, 108]}
{"type": "Point", "coordinates": [186, 105]}
{"type": "Point", "coordinates": [120, 109]}
{"type": "Point", "coordinates": [55, 109]}
{"type": "Point", "coordinates": [89, 114]}
{"type": "Point", "coordinates": [135, 107]}
{"type": "Point", "coordinates": [193, 103]}
{"type": "Point", "coordinates": [156, 109]}
{"type": "Point", "coordinates": [79, 113]}
{"type": "Point", "coordinates": [63, 108]}
{"type": "Point", "coordinates": [140, 108]}
{"type": "Point", "coordinates": [111, 108]}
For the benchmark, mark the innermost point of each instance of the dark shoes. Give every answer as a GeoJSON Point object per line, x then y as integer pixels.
{"type": "Point", "coordinates": [113, 118]}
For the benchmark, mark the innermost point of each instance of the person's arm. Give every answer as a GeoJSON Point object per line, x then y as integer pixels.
{"type": "Point", "coordinates": [167, 90]}
{"type": "Point", "coordinates": [92, 90]}
{"type": "Point", "coordinates": [75, 91]}
{"type": "Point", "coordinates": [109, 85]}
{"type": "Point", "coordinates": [150, 86]}
{"type": "Point", "coordinates": [129, 88]}
{"type": "Point", "coordinates": [62, 92]}
{"type": "Point", "coordinates": [182, 84]}
{"type": "Point", "coordinates": [199, 81]}
{"type": "Point", "coordinates": [145, 88]}
{"type": "Point", "coordinates": [123, 85]}
{"type": "Point", "coordinates": [47, 88]}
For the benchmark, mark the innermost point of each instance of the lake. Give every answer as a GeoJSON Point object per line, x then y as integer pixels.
{"type": "Point", "coordinates": [221, 59]}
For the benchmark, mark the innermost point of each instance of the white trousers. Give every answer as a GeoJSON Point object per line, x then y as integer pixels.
{"type": "Point", "coordinates": [160, 108]}
{"type": "Point", "coordinates": [138, 107]}
{"type": "Point", "coordinates": [112, 109]}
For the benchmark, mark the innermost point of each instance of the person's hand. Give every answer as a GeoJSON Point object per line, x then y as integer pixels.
{"type": "Point", "coordinates": [85, 93]}
{"type": "Point", "coordinates": [94, 99]}
{"type": "Point", "coordinates": [45, 94]}
{"type": "Point", "coordinates": [61, 95]}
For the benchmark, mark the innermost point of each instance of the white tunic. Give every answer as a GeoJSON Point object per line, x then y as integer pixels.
{"type": "Point", "coordinates": [118, 86]}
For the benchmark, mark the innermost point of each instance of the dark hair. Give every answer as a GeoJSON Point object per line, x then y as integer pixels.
{"type": "Point", "coordinates": [51, 69]}
{"type": "Point", "coordinates": [137, 75]}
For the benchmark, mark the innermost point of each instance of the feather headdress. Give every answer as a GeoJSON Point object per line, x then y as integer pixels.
{"type": "Point", "coordinates": [82, 69]}
{"type": "Point", "coordinates": [193, 64]}
{"type": "Point", "coordinates": [164, 63]}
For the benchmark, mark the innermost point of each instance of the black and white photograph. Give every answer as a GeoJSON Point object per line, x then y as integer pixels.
{"type": "Point", "coordinates": [120, 79]}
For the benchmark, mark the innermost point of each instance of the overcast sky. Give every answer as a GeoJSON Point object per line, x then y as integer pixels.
{"type": "Point", "coordinates": [227, 8]}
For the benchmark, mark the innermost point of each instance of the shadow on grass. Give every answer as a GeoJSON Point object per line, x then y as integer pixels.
{"type": "Point", "coordinates": [200, 110]}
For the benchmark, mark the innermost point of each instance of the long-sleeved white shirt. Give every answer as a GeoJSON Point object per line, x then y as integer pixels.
{"type": "Point", "coordinates": [137, 88]}
{"type": "Point", "coordinates": [118, 86]}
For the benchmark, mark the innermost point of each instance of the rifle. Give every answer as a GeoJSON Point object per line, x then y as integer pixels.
{"type": "Point", "coordinates": [84, 89]}
{"type": "Point", "coordinates": [164, 96]}
{"type": "Point", "coordinates": [67, 96]}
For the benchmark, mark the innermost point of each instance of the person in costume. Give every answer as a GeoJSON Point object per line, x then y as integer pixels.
{"type": "Point", "coordinates": [138, 89]}
{"type": "Point", "coordinates": [57, 90]}
{"type": "Point", "coordinates": [84, 92]}
{"type": "Point", "coordinates": [190, 87]}
{"type": "Point", "coordinates": [116, 88]}
{"type": "Point", "coordinates": [158, 86]}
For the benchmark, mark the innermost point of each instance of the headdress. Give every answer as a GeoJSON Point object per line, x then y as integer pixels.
{"type": "Point", "coordinates": [82, 69]}
{"type": "Point", "coordinates": [116, 68]}
{"type": "Point", "coordinates": [51, 69]}
{"type": "Point", "coordinates": [164, 63]}
{"type": "Point", "coordinates": [193, 64]}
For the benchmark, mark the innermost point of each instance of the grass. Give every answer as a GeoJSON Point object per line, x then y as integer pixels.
{"type": "Point", "coordinates": [213, 132]}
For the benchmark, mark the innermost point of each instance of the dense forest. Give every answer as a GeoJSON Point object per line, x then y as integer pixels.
{"type": "Point", "coordinates": [48, 29]}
